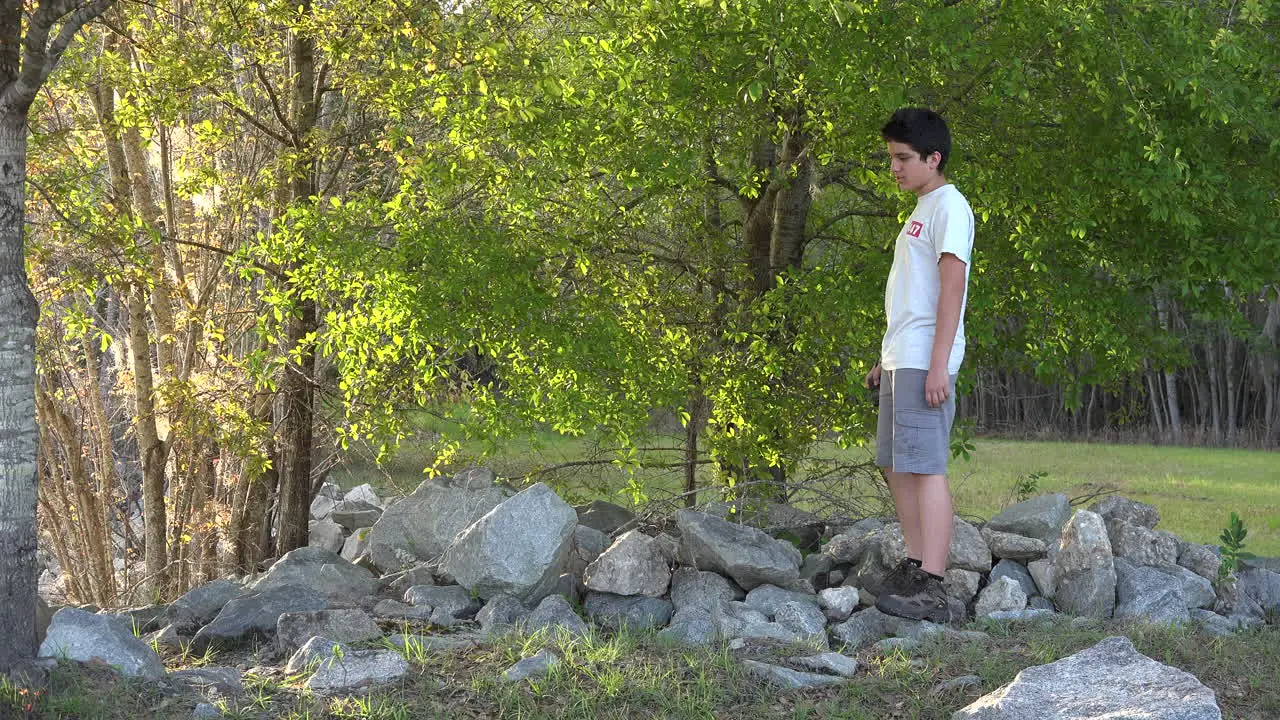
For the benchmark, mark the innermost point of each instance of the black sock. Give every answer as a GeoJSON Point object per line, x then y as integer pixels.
{"type": "Point", "coordinates": [939, 578]}
{"type": "Point", "coordinates": [914, 561]}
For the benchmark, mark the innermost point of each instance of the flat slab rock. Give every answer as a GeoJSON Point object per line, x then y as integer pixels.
{"type": "Point", "coordinates": [788, 678]}
{"type": "Point", "coordinates": [1109, 680]}
{"type": "Point", "coordinates": [357, 669]}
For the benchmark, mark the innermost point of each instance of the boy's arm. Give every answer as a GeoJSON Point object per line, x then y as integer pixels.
{"type": "Point", "coordinates": [950, 297]}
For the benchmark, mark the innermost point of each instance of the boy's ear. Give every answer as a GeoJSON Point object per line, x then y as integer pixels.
{"type": "Point", "coordinates": [934, 159]}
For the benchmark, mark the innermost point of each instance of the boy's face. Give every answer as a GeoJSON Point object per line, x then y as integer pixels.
{"type": "Point", "coordinates": [913, 173]}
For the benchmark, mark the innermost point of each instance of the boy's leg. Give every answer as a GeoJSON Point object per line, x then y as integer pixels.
{"type": "Point", "coordinates": [902, 485]}
{"type": "Point", "coordinates": [935, 516]}
{"type": "Point", "coordinates": [905, 488]}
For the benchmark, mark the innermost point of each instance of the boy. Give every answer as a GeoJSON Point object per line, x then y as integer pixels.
{"type": "Point", "coordinates": [919, 358]}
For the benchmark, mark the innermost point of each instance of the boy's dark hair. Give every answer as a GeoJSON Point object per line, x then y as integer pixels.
{"type": "Point", "coordinates": [921, 128]}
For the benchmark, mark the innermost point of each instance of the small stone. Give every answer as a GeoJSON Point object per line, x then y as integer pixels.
{"type": "Point", "coordinates": [961, 584]}
{"type": "Point", "coordinates": [1004, 594]}
{"type": "Point", "coordinates": [838, 603]}
{"type": "Point", "coordinates": [888, 645]}
{"type": "Point", "coordinates": [964, 682]}
{"type": "Point", "coordinates": [534, 666]}
{"type": "Point", "coordinates": [832, 663]}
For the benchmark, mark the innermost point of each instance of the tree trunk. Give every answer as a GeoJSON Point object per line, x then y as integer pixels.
{"type": "Point", "coordinates": [1170, 375]}
{"type": "Point", "coordinates": [296, 387]}
{"type": "Point", "coordinates": [19, 438]}
{"type": "Point", "coordinates": [153, 451]}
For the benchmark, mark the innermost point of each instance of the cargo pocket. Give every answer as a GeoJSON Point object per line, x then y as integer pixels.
{"type": "Point", "coordinates": [916, 439]}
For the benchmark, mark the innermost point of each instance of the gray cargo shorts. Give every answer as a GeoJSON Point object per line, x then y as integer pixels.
{"type": "Point", "coordinates": [911, 436]}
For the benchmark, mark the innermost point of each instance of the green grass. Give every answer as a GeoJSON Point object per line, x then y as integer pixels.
{"type": "Point", "coordinates": [633, 675]}
{"type": "Point", "coordinates": [1195, 489]}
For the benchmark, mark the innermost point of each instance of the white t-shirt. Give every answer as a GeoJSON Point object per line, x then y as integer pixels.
{"type": "Point", "coordinates": [941, 223]}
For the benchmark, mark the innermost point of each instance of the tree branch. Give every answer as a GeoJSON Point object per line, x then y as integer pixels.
{"type": "Point", "coordinates": [269, 131]}
{"type": "Point", "coordinates": [40, 57]}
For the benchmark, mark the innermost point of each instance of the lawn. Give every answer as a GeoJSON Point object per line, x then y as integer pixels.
{"type": "Point", "coordinates": [1195, 489]}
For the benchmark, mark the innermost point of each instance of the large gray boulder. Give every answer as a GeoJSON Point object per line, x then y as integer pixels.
{"type": "Point", "coordinates": [452, 600]}
{"type": "Point", "coordinates": [202, 604]}
{"type": "Point", "coordinates": [555, 614]}
{"type": "Point", "coordinates": [1083, 569]}
{"type": "Point", "coordinates": [865, 627]}
{"type": "Point", "coordinates": [1197, 591]}
{"type": "Point", "coordinates": [1146, 594]}
{"type": "Point", "coordinates": [969, 550]}
{"type": "Point", "coordinates": [961, 585]}
{"type": "Point", "coordinates": [588, 544]}
{"type": "Point", "coordinates": [322, 506]}
{"type": "Point", "coordinates": [355, 514]}
{"type": "Point", "coordinates": [421, 526]}
{"type": "Point", "coordinates": [849, 546]}
{"type": "Point", "coordinates": [805, 619]}
{"type": "Point", "coordinates": [1002, 595]}
{"type": "Point", "coordinates": [1016, 572]}
{"type": "Point", "coordinates": [293, 629]}
{"type": "Point", "coordinates": [258, 614]}
{"type": "Point", "coordinates": [1203, 560]}
{"type": "Point", "coordinates": [1262, 586]}
{"type": "Point", "coordinates": [1109, 680]}
{"type": "Point", "coordinates": [355, 549]}
{"type": "Point", "coordinates": [501, 613]}
{"type": "Point", "coordinates": [321, 570]}
{"type": "Point", "coordinates": [883, 552]}
{"type": "Point", "coordinates": [701, 589]}
{"type": "Point", "coordinates": [1042, 572]}
{"type": "Point", "coordinates": [615, 612]}
{"type": "Point", "coordinates": [633, 565]}
{"type": "Point", "coordinates": [364, 493]}
{"type": "Point", "coordinates": [1142, 546]}
{"type": "Point", "coordinates": [326, 535]}
{"type": "Point", "coordinates": [768, 598]}
{"type": "Point", "coordinates": [604, 516]}
{"type": "Point", "coordinates": [749, 556]}
{"type": "Point", "coordinates": [690, 626]}
{"type": "Point", "coordinates": [1115, 507]}
{"type": "Point", "coordinates": [87, 637]}
{"type": "Point", "coordinates": [520, 547]}
{"type": "Point", "coordinates": [1040, 517]}
{"type": "Point", "coordinates": [1008, 546]}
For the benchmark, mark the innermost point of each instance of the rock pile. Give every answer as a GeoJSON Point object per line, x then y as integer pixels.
{"type": "Point", "coordinates": [469, 551]}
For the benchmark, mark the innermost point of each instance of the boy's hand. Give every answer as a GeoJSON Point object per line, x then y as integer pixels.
{"type": "Point", "coordinates": [937, 387]}
{"type": "Point", "coordinates": [872, 380]}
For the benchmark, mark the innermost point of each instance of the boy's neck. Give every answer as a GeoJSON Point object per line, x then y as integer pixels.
{"type": "Point", "coordinates": [938, 181]}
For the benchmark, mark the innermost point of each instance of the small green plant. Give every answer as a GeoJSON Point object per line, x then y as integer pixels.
{"type": "Point", "coordinates": [1232, 547]}
{"type": "Point", "coordinates": [962, 445]}
{"type": "Point", "coordinates": [1028, 485]}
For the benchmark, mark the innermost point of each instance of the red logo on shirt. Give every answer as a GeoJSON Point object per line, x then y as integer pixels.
{"type": "Point", "coordinates": [916, 227]}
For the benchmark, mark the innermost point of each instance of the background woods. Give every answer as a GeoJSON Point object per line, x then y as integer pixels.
{"type": "Point", "coordinates": [262, 231]}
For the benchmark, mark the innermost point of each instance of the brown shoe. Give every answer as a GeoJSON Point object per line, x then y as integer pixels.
{"type": "Point", "coordinates": [926, 601]}
{"type": "Point", "coordinates": [902, 580]}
